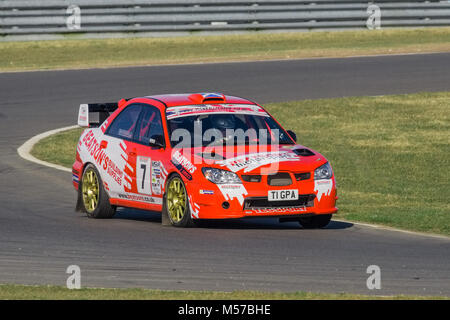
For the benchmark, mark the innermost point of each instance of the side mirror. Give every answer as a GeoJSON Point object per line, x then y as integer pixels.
{"type": "Point", "coordinates": [293, 135]}
{"type": "Point", "coordinates": [156, 141]}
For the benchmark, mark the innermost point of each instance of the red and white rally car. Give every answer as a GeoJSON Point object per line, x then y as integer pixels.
{"type": "Point", "coordinates": [198, 156]}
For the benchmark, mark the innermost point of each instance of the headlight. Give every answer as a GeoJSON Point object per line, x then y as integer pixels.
{"type": "Point", "coordinates": [219, 176]}
{"type": "Point", "coordinates": [323, 172]}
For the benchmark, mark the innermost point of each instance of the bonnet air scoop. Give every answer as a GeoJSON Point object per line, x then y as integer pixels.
{"type": "Point", "coordinates": [303, 152]}
{"type": "Point", "coordinates": [207, 97]}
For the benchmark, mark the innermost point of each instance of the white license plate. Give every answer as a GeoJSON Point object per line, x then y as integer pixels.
{"type": "Point", "coordinates": [282, 195]}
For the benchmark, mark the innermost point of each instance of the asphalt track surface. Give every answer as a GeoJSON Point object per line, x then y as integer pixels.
{"type": "Point", "coordinates": [40, 234]}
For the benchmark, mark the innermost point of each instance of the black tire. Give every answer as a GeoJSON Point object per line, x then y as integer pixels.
{"type": "Point", "coordinates": [186, 220]}
{"type": "Point", "coordinates": [315, 222]}
{"type": "Point", "coordinates": [103, 209]}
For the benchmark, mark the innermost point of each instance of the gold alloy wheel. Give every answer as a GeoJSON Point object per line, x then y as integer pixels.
{"type": "Point", "coordinates": [90, 190]}
{"type": "Point", "coordinates": [176, 200]}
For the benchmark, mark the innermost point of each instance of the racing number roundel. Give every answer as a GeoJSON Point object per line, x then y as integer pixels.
{"type": "Point", "coordinates": [143, 175]}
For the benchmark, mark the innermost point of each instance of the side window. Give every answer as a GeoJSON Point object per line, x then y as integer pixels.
{"type": "Point", "coordinates": [282, 138]}
{"type": "Point", "coordinates": [150, 125]}
{"type": "Point", "coordinates": [124, 124]}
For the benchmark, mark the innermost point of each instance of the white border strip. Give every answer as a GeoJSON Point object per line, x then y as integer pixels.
{"type": "Point", "coordinates": [25, 150]}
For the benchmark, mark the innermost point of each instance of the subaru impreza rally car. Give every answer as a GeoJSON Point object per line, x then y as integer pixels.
{"type": "Point", "coordinates": [198, 156]}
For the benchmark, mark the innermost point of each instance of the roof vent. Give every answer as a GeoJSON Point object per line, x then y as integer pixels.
{"type": "Point", "coordinates": [207, 97]}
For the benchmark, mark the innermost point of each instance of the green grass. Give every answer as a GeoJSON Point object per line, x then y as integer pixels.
{"type": "Point", "coordinates": [75, 53]}
{"type": "Point", "coordinates": [21, 292]}
{"type": "Point", "coordinates": [390, 154]}
{"type": "Point", "coordinates": [59, 148]}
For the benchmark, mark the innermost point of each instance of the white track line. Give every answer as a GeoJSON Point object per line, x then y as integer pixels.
{"type": "Point", "coordinates": [25, 149]}
{"type": "Point", "coordinates": [380, 227]}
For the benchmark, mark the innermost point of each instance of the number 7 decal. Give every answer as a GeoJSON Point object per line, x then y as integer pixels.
{"type": "Point", "coordinates": [143, 175]}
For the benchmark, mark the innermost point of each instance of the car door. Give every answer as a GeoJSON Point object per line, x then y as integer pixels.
{"type": "Point", "coordinates": [150, 151]}
{"type": "Point", "coordinates": [119, 165]}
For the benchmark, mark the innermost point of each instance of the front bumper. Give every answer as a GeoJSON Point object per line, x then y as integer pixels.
{"type": "Point", "coordinates": [210, 203]}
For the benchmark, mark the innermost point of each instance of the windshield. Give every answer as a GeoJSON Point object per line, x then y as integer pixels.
{"type": "Point", "coordinates": [214, 125]}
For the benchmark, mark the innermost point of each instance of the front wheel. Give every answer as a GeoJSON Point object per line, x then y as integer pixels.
{"type": "Point", "coordinates": [176, 203]}
{"type": "Point", "coordinates": [315, 222]}
{"type": "Point", "coordinates": [94, 199]}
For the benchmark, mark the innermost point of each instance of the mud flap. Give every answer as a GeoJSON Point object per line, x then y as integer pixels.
{"type": "Point", "coordinates": [165, 221]}
{"type": "Point", "coordinates": [79, 206]}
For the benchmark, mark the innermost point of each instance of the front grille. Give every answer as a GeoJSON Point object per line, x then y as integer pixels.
{"type": "Point", "coordinates": [302, 176]}
{"type": "Point", "coordinates": [251, 177]}
{"type": "Point", "coordinates": [304, 200]}
{"type": "Point", "coordinates": [279, 179]}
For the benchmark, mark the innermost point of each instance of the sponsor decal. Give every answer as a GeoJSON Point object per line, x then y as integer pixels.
{"type": "Point", "coordinates": [194, 208]}
{"type": "Point", "coordinates": [231, 191]}
{"type": "Point", "coordinates": [277, 210]}
{"type": "Point", "coordinates": [206, 191]}
{"type": "Point", "coordinates": [124, 174]}
{"type": "Point", "coordinates": [164, 175]}
{"type": "Point", "coordinates": [127, 167]}
{"type": "Point", "coordinates": [183, 165]}
{"type": "Point", "coordinates": [182, 170]}
{"type": "Point", "coordinates": [150, 176]}
{"type": "Point", "coordinates": [249, 162]}
{"type": "Point", "coordinates": [75, 178]}
{"type": "Point", "coordinates": [101, 158]}
{"type": "Point", "coordinates": [323, 187]}
{"type": "Point", "coordinates": [184, 111]}
{"type": "Point", "coordinates": [156, 177]}
{"type": "Point", "coordinates": [139, 197]}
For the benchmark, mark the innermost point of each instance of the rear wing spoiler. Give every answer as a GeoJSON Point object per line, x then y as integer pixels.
{"type": "Point", "coordinates": [94, 114]}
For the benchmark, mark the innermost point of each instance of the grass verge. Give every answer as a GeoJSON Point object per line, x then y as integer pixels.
{"type": "Point", "coordinates": [59, 148]}
{"type": "Point", "coordinates": [22, 292]}
{"type": "Point", "coordinates": [74, 54]}
{"type": "Point", "coordinates": [390, 154]}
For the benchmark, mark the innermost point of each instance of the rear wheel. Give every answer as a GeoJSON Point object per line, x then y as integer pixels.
{"type": "Point", "coordinates": [176, 203]}
{"type": "Point", "coordinates": [315, 222]}
{"type": "Point", "coordinates": [94, 199]}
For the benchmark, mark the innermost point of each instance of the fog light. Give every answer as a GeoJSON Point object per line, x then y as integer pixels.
{"type": "Point", "coordinates": [225, 205]}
